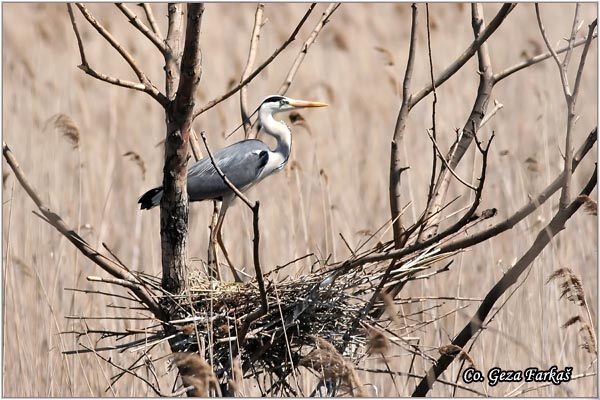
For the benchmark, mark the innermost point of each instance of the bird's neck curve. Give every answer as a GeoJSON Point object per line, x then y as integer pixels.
{"type": "Point", "coordinates": [281, 133]}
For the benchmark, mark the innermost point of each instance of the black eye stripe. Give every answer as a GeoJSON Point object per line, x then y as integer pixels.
{"type": "Point", "coordinates": [274, 99]}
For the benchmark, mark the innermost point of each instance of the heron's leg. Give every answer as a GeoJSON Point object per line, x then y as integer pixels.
{"type": "Point", "coordinates": [213, 262]}
{"type": "Point", "coordinates": [219, 238]}
{"type": "Point", "coordinates": [234, 271]}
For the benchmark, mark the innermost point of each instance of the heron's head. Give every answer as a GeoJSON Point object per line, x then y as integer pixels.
{"type": "Point", "coordinates": [277, 104]}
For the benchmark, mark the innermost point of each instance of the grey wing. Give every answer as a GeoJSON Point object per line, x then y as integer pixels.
{"type": "Point", "coordinates": [241, 162]}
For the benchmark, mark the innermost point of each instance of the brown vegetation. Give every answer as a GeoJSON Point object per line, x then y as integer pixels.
{"type": "Point", "coordinates": [89, 148]}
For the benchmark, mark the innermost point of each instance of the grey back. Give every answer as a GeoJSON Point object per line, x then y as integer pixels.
{"type": "Point", "coordinates": [241, 162]}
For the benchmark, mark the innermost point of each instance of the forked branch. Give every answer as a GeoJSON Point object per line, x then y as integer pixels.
{"type": "Point", "coordinates": [305, 46]}
{"type": "Point", "coordinates": [60, 225]}
{"type": "Point", "coordinates": [144, 85]}
{"type": "Point", "coordinates": [544, 237]}
{"type": "Point", "coordinates": [258, 23]}
{"type": "Point", "coordinates": [396, 162]}
{"type": "Point", "coordinates": [253, 75]}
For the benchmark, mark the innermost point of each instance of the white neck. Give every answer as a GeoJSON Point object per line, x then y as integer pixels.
{"type": "Point", "coordinates": [280, 132]}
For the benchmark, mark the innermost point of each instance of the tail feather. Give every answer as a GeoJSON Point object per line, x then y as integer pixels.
{"type": "Point", "coordinates": [151, 198]}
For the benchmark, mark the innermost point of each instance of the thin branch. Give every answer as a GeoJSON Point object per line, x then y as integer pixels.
{"type": "Point", "coordinates": [434, 103]}
{"type": "Point", "coordinates": [534, 60]}
{"type": "Point", "coordinates": [543, 238]}
{"type": "Point", "coordinates": [439, 152]}
{"type": "Point", "coordinates": [488, 116]}
{"type": "Point", "coordinates": [527, 209]}
{"type": "Point", "coordinates": [144, 86]}
{"type": "Point", "coordinates": [570, 97]}
{"type": "Point", "coordinates": [304, 49]}
{"type": "Point", "coordinates": [256, 258]}
{"type": "Point", "coordinates": [57, 222]}
{"type": "Point", "coordinates": [115, 281]}
{"type": "Point", "coordinates": [115, 44]}
{"type": "Point", "coordinates": [396, 167]}
{"type": "Point", "coordinates": [562, 70]}
{"type": "Point", "coordinates": [574, 28]}
{"type": "Point", "coordinates": [466, 55]}
{"type": "Point", "coordinates": [152, 21]}
{"type": "Point", "coordinates": [140, 26]}
{"type": "Point", "coordinates": [588, 41]}
{"type": "Point", "coordinates": [470, 129]}
{"type": "Point", "coordinates": [253, 75]}
{"type": "Point", "coordinates": [249, 65]}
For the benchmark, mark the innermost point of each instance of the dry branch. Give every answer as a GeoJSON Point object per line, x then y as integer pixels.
{"type": "Point", "coordinates": [396, 163]}
{"type": "Point", "coordinates": [544, 237]}
{"type": "Point", "coordinates": [253, 75]}
{"type": "Point", "coordinates": [249, 64]}
{"type": "Point", "coordinates": [144, 85]}
{"type": "Point", "coordinates": [140, 26]}
{"type": "Point", "coordinates": [58, 223]}
{"type": "Point", "coordinates": [305, 46]}
{"type": "Point", "coordinates": [254, 208]}
{"type": "Point", "coordinates": [534, 60]}
{"type": "Point", "coordinates": [152, 21]}
{"type": "Point", "coordinates": [466, 55]}
{"type": "Point", "coordinates": [469, 130]}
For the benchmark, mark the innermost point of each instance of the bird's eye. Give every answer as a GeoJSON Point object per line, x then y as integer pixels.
{"type": "Point", "coordinates": [282, 102]}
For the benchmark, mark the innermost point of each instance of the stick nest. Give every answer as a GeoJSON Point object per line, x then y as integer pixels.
{"type": "Point", "coordinates": [321, 305]}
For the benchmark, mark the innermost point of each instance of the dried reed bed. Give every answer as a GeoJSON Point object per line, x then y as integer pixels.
{"type": "Point", "coordinates": [336, 182]}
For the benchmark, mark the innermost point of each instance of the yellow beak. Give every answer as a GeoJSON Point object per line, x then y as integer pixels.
{"type": "Point", "coordinates": [304, 104]}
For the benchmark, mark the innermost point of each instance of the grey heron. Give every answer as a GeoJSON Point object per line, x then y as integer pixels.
{"type": "Point", "coordinates": [244, 163]}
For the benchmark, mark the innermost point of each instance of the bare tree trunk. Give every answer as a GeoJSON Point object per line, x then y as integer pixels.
{"type": "Point", "coordinates": [174, 207]}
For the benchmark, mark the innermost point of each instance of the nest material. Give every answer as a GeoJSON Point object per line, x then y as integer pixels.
{"type": "Point", "coordinates": [211, 318]}
{"type": "Point", "coordinates": [317, 305]}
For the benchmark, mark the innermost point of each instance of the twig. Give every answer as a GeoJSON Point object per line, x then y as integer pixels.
{"type": "Point", "coordinates": [588, 42]}
{"type": "Point", "coordinates": [497, 107]}
{"type": "Point", "coordinates": [225, 179]}
{"type": "Point", "coordinates": [57, 222]}
{"type": "Point", "coordinates": [434, 104]}
{"type": "Point", "coordinates": [527, 209]}
{"type": "Point", "coordinates": [574, 28]}
{"type": "Point", "coordinates": [145, 84]}
{"type": "Point", "coordinates": [304, 49]}
{"type": "Point", "coordinates": [534, 60]}
{"type": "Point", "coordinates": [439, 152]}
{"type": "Point", "coordinates": [115, 281]}
{"type": "Point", "coordinates": [249, 64]}
{"type": "Point", "coordinates": [396, 167]}
{"type": "Point", "coordinates": [156, 390]}
{"type": "Point", "coordinates": [510, 277]}
{"type": "Point", "coordinates": [140, 26]}
{"type": "Point", "coordinates": [466, 55]}
{"type": "Point", "coordinates": [250, 77]}
{"type": "Point", "coordinates": [472, 125]}
{"type": "Point", "coordinates": [562, 69]}
{"type": "Point", "coordinates": [150, 16]}
{"type": "Point", "coordinates": [570, 97]}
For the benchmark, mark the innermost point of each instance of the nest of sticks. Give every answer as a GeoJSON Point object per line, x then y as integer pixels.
{"type": "Point", "coordinates": [317, 321]}
{"type": "Point", "coordinates": [325, 322]}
